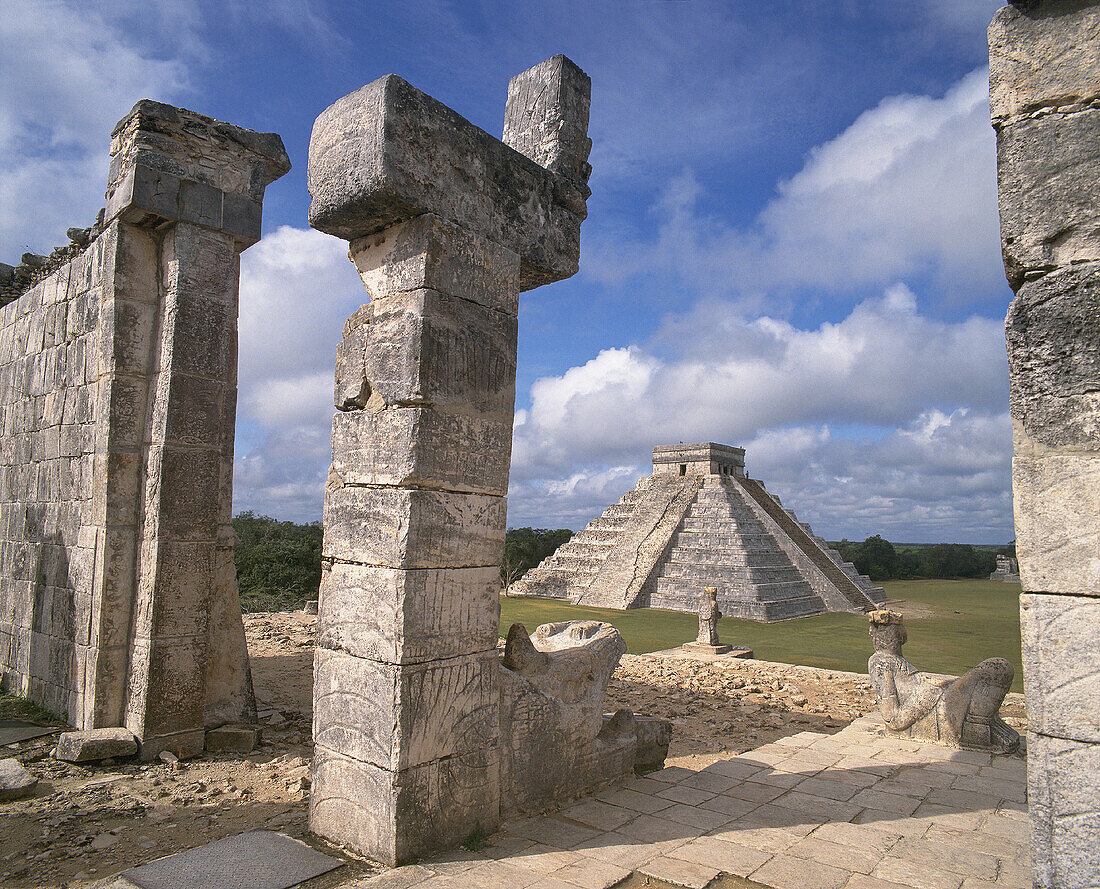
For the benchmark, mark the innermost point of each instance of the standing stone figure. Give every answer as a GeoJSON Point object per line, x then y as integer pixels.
{"type": "Point", "coordinates": [961, 711]}
{"type": "Point", "coordinates": [707, 641]}
{"type": "Point", "coordinates": [708, 616]}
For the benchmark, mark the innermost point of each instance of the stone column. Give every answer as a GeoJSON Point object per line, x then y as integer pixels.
{"type": "Point", "coordinates": [446, 225]}
{"type": "Point", "coordinates": [183, 200]}
{"type": "Point", "coordinates": [1045, 102]}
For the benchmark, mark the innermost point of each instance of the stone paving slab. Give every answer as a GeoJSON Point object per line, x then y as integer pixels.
{"type": "Point", "coordinates": [854, 810]}
{"type": "Point", "coordinates": [257, 859]}
{"type": "Point", "coordinates": [12, 731]}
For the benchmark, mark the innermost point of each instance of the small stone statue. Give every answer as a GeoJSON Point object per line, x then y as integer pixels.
{"type": "Point", "coordinates": [708, 616]}
{"type": "Point", "coordinates": [961, 711]}
{"type": "Point", "coordinates": [707, 640]}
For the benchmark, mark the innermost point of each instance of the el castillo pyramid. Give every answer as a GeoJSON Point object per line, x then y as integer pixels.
{"type": "Point", "coordinates": [699, 521]}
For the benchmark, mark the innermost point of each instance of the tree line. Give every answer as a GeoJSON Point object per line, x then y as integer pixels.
{"type": "Point", "coordinates": [279, 563]}
{"type": "Point", "coordinates": [879, 559]}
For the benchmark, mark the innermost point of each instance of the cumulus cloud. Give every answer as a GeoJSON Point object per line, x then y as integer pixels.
{"type": "Point", "coordinates": [868, 420]}
{"type": "Point", "coordinates": [297, 289]}
{"type": "Point", "coordinates": [70, 73]}
{"type": "Point", "coordinates": [909, 188]}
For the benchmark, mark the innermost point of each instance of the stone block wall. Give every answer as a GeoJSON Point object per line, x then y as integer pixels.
{"type": "Point", "coordinates": [118, 387]}
{"type": "Point", "coordinates": [1045, 103]}
{"type": "Point", "coordinates": [49, 368]}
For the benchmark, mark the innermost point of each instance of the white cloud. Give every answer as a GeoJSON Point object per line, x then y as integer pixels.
{"type": "Point", "coordinates": [867, 421]}
{"type": "Point", "coordinates": [69, 74]}
{"type": "Point", "coordinates": [297, 289]}
{"type": "Point", "coordinates": [908, 189]}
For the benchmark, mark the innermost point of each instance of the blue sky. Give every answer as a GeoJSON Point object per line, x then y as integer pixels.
{"type": "Point", "coordinates": [792, 240]}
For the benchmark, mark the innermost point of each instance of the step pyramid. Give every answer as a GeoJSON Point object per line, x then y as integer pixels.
{"type": "Point", "coordinates": [698, 521]}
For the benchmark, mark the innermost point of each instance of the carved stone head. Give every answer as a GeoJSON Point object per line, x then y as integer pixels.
{"type": "Point", "coordinates": [887, 631]}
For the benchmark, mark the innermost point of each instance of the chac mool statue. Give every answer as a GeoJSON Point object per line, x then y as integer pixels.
{"type": "Point", "coordinates": [961, 711]}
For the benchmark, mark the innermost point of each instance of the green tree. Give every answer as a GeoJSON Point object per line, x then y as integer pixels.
{"type": "Point", "coordinates": [524, 548]}
{"type": "Point", "coordinates": [878, 559]}
{"type": "Point", "coordinates": [278, 563]}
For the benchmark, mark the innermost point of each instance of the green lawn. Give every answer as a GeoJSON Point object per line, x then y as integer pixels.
{"type": "Point", "coordinates": [968, 620]}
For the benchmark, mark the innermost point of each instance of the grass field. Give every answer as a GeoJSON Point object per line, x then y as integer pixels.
{"type": "Point", "coordinates": [961, 623]}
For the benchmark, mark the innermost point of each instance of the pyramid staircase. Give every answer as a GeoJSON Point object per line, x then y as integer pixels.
{"type": "Point", "coordinates": [606, 564]}
{"type": "Point", "coordinates": [722, 542]}
{"type": "Point", "coordinates": [675, 534]}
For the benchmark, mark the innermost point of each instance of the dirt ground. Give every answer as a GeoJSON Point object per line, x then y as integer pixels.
{"type": "Point", "coordinates": [86, 823]}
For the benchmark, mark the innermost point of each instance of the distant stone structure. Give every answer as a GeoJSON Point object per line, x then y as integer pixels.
{"type": "Point", "coordinates": [1044, 84]}
{"type": "Point", "coordinates": [1008, 570]}
{"type": "Point", "coordinates": [957, 710]}
{"type": "Point", "coordinates": [699, 521]}
{"type": "Point", "coordinates": [422, 734]}
{"type": "Point", "coordinates": [118, 385]}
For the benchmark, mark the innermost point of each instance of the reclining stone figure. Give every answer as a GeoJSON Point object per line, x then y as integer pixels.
{"type": "Point", "coordinates": [962, 710]}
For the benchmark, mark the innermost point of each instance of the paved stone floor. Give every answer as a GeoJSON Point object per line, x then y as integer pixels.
{"type": "Point", "coordinates": [812, 811]}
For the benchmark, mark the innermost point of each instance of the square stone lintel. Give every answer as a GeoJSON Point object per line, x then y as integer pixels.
{"type": "Point", "coordinates": [430, 252]}
{"type": "Point", "coordinates": [412, 528]}
{"type": "Point", "coordinates": [400, 716]}
{"type": "Point", "coordinates": [169, 164]}
{"type": "Point", "coordinates": [388, 152]}
{"type": "Point", "coordinates": [396, 817]}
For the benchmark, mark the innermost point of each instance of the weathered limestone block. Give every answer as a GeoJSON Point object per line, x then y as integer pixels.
{"type": "Point", "coordinates": [1054, 356]}
{"type": "Point", "coordinates": [423, 347]}
{"type": "Point", "coordinates": [232, 738]}
{"type": "Point", "coordinates": [158, 174]}
{"type": "Point", "coordinates": [229, 695]}
{"type": "Point", "coordinates": [1064, 803]}
{"type": "Point", "coordinates": [1061, 644]}
{"type": "Point", "coordinates": [1049, 184]}
{"type": "Point", "coordinates": [426, 447]}
{"type": "Point", "coordinates": [1056, 499]}
{"type": "Point", "coordinates": [546, 118]}
{"type": "Point", "coordinates": [401, 816]}
{"type": "Point", "coordinates": [413, 528]}
{"type": "Point", "coordinates": [398, 616]}
{"type": "Point", "coordinates": [93, 744]}
{"type": "Point", "coordinates": [15, 781]}
{"type": "Point", "coordinates": [431, 253]}
{"type": "Point", "coordinates": [1043, 55]}
{"type": "Point", "coordinates": [389, 152]}
{"type": "Point", "coordinates": [961, 711]}
{"type": "Point", "coordinates": [443, 708]}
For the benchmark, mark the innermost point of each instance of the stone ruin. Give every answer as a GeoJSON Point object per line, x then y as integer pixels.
{"type": "Point", "coordinates": [699, 521]}
{"type": "Point", "coordinates": [118, 386]}
{"type": "Point", "coordinates": [1007, 571]}
{"type": "Point", "coordinates": [1044, 90]}
{"type": "Point", "coordinates": [422, 732]}
{"type": "Point", "coordinates": [962, 711]}
{"type": "Point", "coordinates": [118, 605]}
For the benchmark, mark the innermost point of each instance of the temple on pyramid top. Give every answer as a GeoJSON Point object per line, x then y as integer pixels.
{"type": "Point", "coordinates": [700, 521]}
{"type": "Point", "coordinates": [706, 458]}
